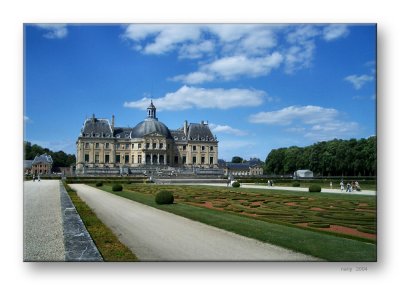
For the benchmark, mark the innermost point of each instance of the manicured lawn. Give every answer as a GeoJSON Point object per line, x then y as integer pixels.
{"type": "Point", "coordinates": [242, 211]}
{"type": "Point", "coordinates": [107, 243]}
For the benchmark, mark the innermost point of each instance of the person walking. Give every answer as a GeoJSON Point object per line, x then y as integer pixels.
{"type": "Point", "coordinates": [341, 186]}
{"type": "Point", "coordinates": [330, 184]}
{"type": "Point", "coordinates": [348, 187]}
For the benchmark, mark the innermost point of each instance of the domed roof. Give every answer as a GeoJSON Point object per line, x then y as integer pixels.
{"type": "Point", "coordinates": [149, 126]}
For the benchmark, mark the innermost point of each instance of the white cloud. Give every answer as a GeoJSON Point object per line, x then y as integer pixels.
{"type": "Point", "coordinates": [229, 68]}
{"type": "Point", "coordinates": [359, 80]}
{"type": "Point", "coordinates": [190, 97]}
{"type": "Point", "coordinates": [226, 130]}
{"type": "Point", "coordinates": [286, 116]}
{"type": "Point", "coordinates": [193, 51]}
{"type": "Point", "coordinates": [313, 122]}
{"type": "Point", "coordinates": [167, 37]}
{"type": "Point", "coordinates": [54, 31]}
{"type": "Point", "coordinates": [194, 78]}
{"type": "Point", "coordinates": [27, 119]}
{"type": "Point", "coordinates": [335, 31]}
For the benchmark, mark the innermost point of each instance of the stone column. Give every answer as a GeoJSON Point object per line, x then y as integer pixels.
{"type": "Point", "coordinates": [158, 158]}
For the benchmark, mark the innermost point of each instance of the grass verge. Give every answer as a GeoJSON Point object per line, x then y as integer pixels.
{"type": "Point", "coordinates": [107, 243]}
{"type": "Point", "coordinates": [328, 247]}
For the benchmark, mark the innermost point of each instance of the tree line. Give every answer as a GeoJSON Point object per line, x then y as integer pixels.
{"type": "Point", "coordinates": [330, 158]}
{"type": "Point", "coordinates": [60, 158]}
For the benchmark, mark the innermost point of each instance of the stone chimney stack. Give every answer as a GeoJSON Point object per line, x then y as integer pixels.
{"type": "Point", "coordinates": [185, 127]}
{"type": "Point", "coordinates": [112, 123]}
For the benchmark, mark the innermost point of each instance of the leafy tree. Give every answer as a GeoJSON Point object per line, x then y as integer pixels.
{"type": "Point", "coordinates": [237, 159]}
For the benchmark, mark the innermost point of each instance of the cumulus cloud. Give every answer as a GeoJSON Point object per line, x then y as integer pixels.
{"type": "Point", "coordinates": [335, 31]}
{"type": "Point", "coordinates": [313, 122]}
{"type": "Point", "coordinates": [166, 37]}
{"type": "Point", "coordinates": [286, 116]}
{"type": "Point", "coordinates": [228, 68]}
{"type": "Point", "coordinates": [54, 31]}
{"type": "Point", "coordinates": [191, 97]}
{"type": "Point", "coordinates": [228, 51]}
{"type": "Point", "coordinates": [226, 130]}
{"type": "Point", "coordinates": [358, 81]}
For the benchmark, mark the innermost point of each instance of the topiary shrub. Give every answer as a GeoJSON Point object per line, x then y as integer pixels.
{"type": "Point", "coordinates": [164, 197]}
{"type": "Point", "coordinates": [235, 184]}
{"type": "Point", "coordinates": [314, 188]}
{"type": "Point", "coordinates": [98, 184]}
{"type": "Point", "coordinates": [296, 184]}
{"type": "Point", "coordinates": [117, 187]}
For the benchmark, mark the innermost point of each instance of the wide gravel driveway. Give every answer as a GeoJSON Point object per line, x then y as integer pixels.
{"type": "Point", "coordinates": [155, 235]}
{"type": "Point", "coordinates": [43, 225]}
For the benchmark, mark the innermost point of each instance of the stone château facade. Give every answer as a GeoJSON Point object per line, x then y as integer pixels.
{"type": "Point", "coordinates": [103, 147]}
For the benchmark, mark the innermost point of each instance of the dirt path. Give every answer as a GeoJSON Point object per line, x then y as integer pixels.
{"type": "Point", "coordinates": [155, 235]}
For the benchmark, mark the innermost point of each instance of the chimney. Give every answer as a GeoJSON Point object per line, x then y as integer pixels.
{"type": "Point", "coordinates": [185, 127]}
{"type": "Point", "coordinates": [112, 123]}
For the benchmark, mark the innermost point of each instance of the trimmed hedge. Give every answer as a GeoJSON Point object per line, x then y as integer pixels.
{"type": "Point", "coordinates": [164, 197]}
{"type": "Point", "coordinates": [235, 184]}
{"type": "Point", "coordinates": [117, 187]}
{"type": "Point", "coordinates": [98, 184]}
{"type": "Point", "coordinates": [296, 184]}
{"type": "Point", "coordinates": [314, 188]}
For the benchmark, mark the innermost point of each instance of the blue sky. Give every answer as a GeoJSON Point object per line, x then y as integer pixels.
{"type": "Point", "coordinates": [259, 87]}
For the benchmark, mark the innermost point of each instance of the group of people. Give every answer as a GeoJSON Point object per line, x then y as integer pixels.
{"type": "Point", "coordinates": [353, 186]}
{"type": "Point", "coordinates": [270, 183]}
{"type": "Point", "coordinates": [36, 178]}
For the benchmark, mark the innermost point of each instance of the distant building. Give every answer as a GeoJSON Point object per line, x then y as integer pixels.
{"type": "Point", "coordinates": [243, 169]}
{"type": "Point", "coordinates": [303, 173]}
{"type": "Point", "coordinates": [42, 164]}
{"type": "Point", "coordinates": [104, 148]}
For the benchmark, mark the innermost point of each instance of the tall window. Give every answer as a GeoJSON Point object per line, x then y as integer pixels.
{"type": "Point", "coordinates": [127, 146]}
{"type": "Point", "coordinates": [203, 160]}
{"type": "Point", "coordinates": [139, 158]}
{"type": "Point", "coordinates": [117, 158]}
{"type": "Point", "coordinates": [203, 148]}
{"type": "Point", "coordinates": [176, 160]}
{"type": "Point", "coordinates": [211, 160]}
{"type": "Point", "coordinates": [117, 146]}
{"type": "Point", "coordinates": [126, 158]}
{"type": "Point", "coordinates": [107, 145]}
{"type": "Point", "coordinates": [96, 158]}
{"type": "Point", "coordinates": [107, 158]}
{"type": "Point", "coordinates": [184, 147]}
{"type": "Point", "coordinates": [194, 160]}
{"type": "Point", "coordinates": [86, 157]}
{"type": "Point", "coordinates": [139, 145]}
{"type": "Point", "coordinates": [133, 146]}
{"type": "Point", "coordinates": [194, 148]}
{"type": "Point", "coordinates": [154, 145]}
{"type": "Point", "coordinates": [161, 145]}
{"type": "Point", "coordinates": [86, 145]}
{"type": "Point", "coordinates": [97, 145]}
{"type": "Point", "coordinates": [184, 159]}
{"type": "Point", "coordinates": [211, 148]}
{"type": "Point", "coordinates": [147, 145]}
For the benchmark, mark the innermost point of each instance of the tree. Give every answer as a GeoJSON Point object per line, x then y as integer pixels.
{"type": "Point", "coordinates": [237, 159]}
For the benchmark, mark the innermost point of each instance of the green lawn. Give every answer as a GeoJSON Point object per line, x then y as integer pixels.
{"type": "Point", "coordinates": [273, 225]}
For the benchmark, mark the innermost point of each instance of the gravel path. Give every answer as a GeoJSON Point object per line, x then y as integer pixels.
{"type": "Point", "coordinates": [155, 235]}
{"type": "Point", "coordinates": [287, 188]}
{"type": "Point", "coordinates": [43, 226]}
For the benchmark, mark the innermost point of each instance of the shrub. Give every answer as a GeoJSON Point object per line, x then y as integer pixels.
{"type": "Point", "coordinates": [235, 184]}
{"type": "Point", "coordinates": [314, 188]}
{"type": "Point", "coordinates": [164, 197]}
{"type": "Point", "coordinates": [296, 184]}
{"type": "Point", "coordinates": [98, 184]}
{"type": "Point", "coordinates": [117, 187]}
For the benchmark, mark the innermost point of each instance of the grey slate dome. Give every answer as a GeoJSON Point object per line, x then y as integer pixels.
{"type": "Point", "coordinates": [149, 126]}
